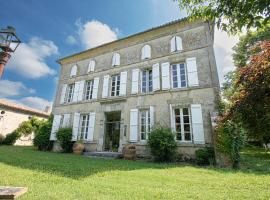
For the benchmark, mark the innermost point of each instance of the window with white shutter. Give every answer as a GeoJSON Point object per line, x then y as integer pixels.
{"type": "Point", "coordinates": [146, 81]}
{"type": "Point", "coordinates": [73, 71]}
{"type": "Point", "coordinates": [70, 92]}
{"type": "Point", "coordinates": [105, 89]}
{"type": "Point", "coordinates": [133, 135]}
{"type": "Point", "coordinates": [75, 128]}
{"type": "Point", "coordinates": [83, 127]}
{"type": "Point", "coordinates": [91, 129]}
{"type": "Point", "coordinates": [182, 124]}
{"type": "Point", "coordinates": [176, 44]}
{"type": "Point", "coordinates": [63, 93]}
{"type": "Point", "coordinates": [91, 66]}
{"type": "Point", "coordinates": [197, 124]}
{"type": "Point", "coordinates": [135, 81]}
{"type": "Point", "coordinates": [156, 79]}
{"type": "Point", "coordinates": [95, 88]}
{"type": "Point", "coordinates": [145, 124]}
{"type": "Point", "coordinates": [116, 59]}
{"type": "Point", "coordinates": [123, 83]}
{"type": "Point", "coordinates": [89, 87]}
{"type": "Point", "coordinates": [115, 85]}
{"type": "Point", "coordinates": [192, 72]}
{"type": "Point", "coordinates": [178, 75]}
{"type": "Point", "coordinates": [165, 73]}
{"type": "Point", "coordinates": [146, 52]}
{"type": "Point", "coordinates": [55, 126]}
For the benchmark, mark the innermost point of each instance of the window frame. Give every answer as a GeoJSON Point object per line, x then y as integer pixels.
{"type": "Point", "coordinates": [88, 90]}
{"type": "Point", "coordinates": [115, 89]}
{"type": "Point", "coordinates": [70, 93]}
{"type": "Point", "coordinates": [182, 124]}
{"type": "Point", "coordinates": [146, 124]}
{"type": "Point", "coordinates": [179, 75]}
{"type": "Point", "coordinates": [147, 80]}
{"type": "Point", "coordinates": [83, 128]}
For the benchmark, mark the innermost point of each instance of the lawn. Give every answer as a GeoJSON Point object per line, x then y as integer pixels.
{"type": "Point", "coordinates": [65, 176]}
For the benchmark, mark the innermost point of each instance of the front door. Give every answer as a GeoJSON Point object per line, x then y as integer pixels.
{"type": "Point", "coordinates": [112, 131]}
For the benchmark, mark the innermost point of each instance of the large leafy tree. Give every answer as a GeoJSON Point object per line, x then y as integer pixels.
{"type": "Point", "coordinates": [231, 16]}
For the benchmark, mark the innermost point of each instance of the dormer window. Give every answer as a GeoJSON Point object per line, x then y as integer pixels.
{"type": "Point", "coordinates": [116, 59]}
{"type": "Point", "coordinates": [176, 44]}
{"type": "Point", "coordinates": [73, 71]}
{"type": "Point", "coordinates": [91, 66]}
{"type": "Point", "coordinates": [146, 52]}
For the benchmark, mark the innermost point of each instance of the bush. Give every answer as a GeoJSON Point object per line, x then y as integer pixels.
{"type": "Point", "coordinates": [11, 138]}
{"type": "Point", "coordinates": [64, 136]}
{"type": "Point", "coordinates": [205, 156]}
{"type": "Point", "coordinates": [162, 144]}
{"type": "Point", "coordinates": [42, 137]}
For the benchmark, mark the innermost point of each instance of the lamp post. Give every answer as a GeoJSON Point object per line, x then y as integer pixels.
{"type": "Point", "coordinates": [8, 44]}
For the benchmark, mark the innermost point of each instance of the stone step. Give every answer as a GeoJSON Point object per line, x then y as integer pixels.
{"type": "Point", "coordinates": [103, 154]}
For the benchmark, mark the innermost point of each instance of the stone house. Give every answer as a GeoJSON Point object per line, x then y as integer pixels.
{"type": "Point", "coordinates": [113, 94]}
{"type": "Point", "coordinates": [13, 114]}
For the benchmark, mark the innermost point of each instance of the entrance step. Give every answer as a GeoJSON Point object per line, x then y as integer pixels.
{"type": "Point", "coordinates": [103, 154]}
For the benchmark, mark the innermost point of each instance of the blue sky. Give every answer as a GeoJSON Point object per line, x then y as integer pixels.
{"type": "Point", "coordinates": [52, 29]}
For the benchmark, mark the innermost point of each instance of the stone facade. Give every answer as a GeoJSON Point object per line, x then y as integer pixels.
{"type": "Point", "coordinates": [197, 41]}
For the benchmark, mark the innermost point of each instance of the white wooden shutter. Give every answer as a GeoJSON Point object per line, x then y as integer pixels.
{"type": "Point", "coordinates": [73, 71]}
{"type": "Point", "coordinates": [105, 89]}
{"type": "Point", "coordinates": [165, 72]}
{"type": "Point", "coordinates": [66, 121]}
{"type": "Point", "coordinates": [152, 116]}
{"type": "Point", "coordinates": [81, 90]}
{"type": "Point", "coordinates": [133, 134]}
{"type": "Point", "coordinates": [91, 66]}
{"type": "Point", "coordinates": [75, 128]}
{"type": "Point", "coordinates": [95, 88]}
{"type": "Point", "coordinates": [156, 81]}
{"type": "Point", "coordinates": [63, 93]}
{"type": "Point", "coordinates": [173, 44]}
{"type": "Point", "coordinates": [135, 81]}
{"type": "Point", "coordinates": [123, 83]}
{"type": "Point", "coordinates": [117, 59]}
{"type": "Point", "coordinates": [146, 52]}
{"type": "Point", "coordinates": [197, 124]}
{"type": "Point", "coordinates": [172, 118]}
{"type": "Point", "coordinates": [179, 46]}
{"type": "Point", "coordinates": [55, 126]}
{"type": "Point", "coordinates": [91, 126]}
{"type": "Point", "coordinates": [76, 91]}
{"type": "Point", "coordinates": [192, 72]}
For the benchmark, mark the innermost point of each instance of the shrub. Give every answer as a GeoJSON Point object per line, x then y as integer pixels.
{"type": "Point", "coordinates": [162, 144]}
{"type": "Point", "coordinates": [64, 136]}
{"type": "Point", "coordinates": [42, 137]}
{"type": "Point", "coordinates": [205, 156]}
{"type": "Point", "coordinates": [11, 138]}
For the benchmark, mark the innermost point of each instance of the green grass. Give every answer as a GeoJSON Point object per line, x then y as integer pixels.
{"type": "Point", "coordinates": [66, 176]}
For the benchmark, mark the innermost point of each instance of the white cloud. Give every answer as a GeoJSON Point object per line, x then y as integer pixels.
{"type": "Point", "coordinates": [12, 89]}
{"type": "Point", "coordinates": [29, 59]}
{"type": "Point", "coordinates": [71, 40]}
{"type": "Point", "coordinates": [35, 102]}
{"type": "Point", "coordinates": [223, 51]}
{"type": "Point", "coordinates": [94, 33]}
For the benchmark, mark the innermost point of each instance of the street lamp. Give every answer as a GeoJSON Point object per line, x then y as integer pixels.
{"type": "Point", "coordinates": [8, 43]}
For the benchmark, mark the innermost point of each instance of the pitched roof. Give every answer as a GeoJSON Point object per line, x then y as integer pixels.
{"type": "Point", "coordinates": [22, 108]}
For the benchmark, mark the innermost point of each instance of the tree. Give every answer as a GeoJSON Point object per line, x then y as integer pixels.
{"type": "Point", "coordinates": [230, 16]}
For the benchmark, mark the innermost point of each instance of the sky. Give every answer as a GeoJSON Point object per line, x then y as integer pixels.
{"type": "Point", "coordinates": [53, 29]}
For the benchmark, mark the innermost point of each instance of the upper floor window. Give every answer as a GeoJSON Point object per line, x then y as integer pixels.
{"type": "Point", "coordinates": [146, 52]}
{"type": "Point", "coordinates": [83, 127]}
{"type": "Point", "coordinates": [73, 71]}
{"type": "Point", "coordinates": [146, 81]}
{"type": "Point", "coordinates": [182, 124]}
{"type": "Point", "coordinates": [145, 124]}
{"type": "Point", "coordinates": [179, 78]}
{"type": "Point", "coordinates": [176, 44]}
{"type": "Point", "coordinates": [115, 87]}
{"type": "Point", "coordinates": [70, 91]}
{"type": "Point", "coordinates": [116, 59]}
{"type": "Point", "coordinates": [91, 66]}
{"type": "Point", "coordinates": [89, 90]}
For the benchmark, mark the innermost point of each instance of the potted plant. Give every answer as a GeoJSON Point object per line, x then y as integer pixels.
{"type": "Point", "coordinates": [78, 147]}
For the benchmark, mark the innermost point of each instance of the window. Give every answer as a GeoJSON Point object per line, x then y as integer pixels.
{"type": "Point", "coordinates": [115, 89]}
{"type": "Point", "coordinates": [83, 128]}
{"type": "Point", "coordinates": [73, 71]}
{"type": "Point", "coordinates": [147, 82]}
{"type": "Point", "coordinates": [70, 91]}
{"type": "Point", "coordinates": [145, 124]}
{"type": "Point", "coordinates": [146, 52]}
{"type": "Point", "coordinates": [91, 66]}
{"type": "Point", "coordinates": [179, 78]}
{"type": "Point", "coordinates": [176, 44]}
{"type": "Point", "coordinates": [182, 124]}
{"type": "Point", "coordinates": [89, 90]}
{"type": "Point", "coordinates": [116, 59]}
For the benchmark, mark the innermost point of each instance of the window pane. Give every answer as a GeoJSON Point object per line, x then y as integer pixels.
{"type": "Point", "coordinates": [186, 119]}
{"type": "Point", "coordinates": [177, 119]}
{"type": "Point", "coordinates": [185, 111]}
{"type": "Point", "coordinates": [187, 127]}
{"type": "Point", "coordinates": [177, 111]}
{"type": "Point", "coordinates": [187, 136]}
{"type": "Point", "coordinates": [178, 136]}
{"type": "Point", "coordinates": [178, 127]}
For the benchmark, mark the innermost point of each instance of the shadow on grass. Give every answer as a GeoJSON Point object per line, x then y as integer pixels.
{"type": "Point", "coordinates": [72, 166]}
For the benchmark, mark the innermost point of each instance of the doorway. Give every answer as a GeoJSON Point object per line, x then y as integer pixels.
{"type": "Point", "coordinates": [112, 131]}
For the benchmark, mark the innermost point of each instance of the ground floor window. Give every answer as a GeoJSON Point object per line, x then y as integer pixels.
{"type": "Point", "coordinates": [182, 124]}
{"type": "Point", "coordinates": [145, 124]}
{"type": "Point", "coordinates": [83, 128]}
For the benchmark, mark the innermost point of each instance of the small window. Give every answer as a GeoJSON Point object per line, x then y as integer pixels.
{"type": "Point", "coordinates": [146, 81]}
{"type": "Point", "coordinates": [70, 91]}
{"type": "Point", "coordinates": [91, 66]}
{"type": "Point", "coordinates": [176, 44]}
{"type": "Point", "coordinates": [145, 124]}
{"type": "Point", "coordinates": [115, 86]}
{"type": "Point", "coordinates": [182, 124]}
{"type": "Point", "coordinates": [179, 77]}
{"type": "Point", "coordinates": [89, 90]}
{"type": "Point", "coordinates": [146, 52]}
{"type": "Point", "coordinates": [73, 71]}
{"type": "Point", "coordinates": [116, 59]}
{"type": "Point", "coordinates": [83, 128]}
